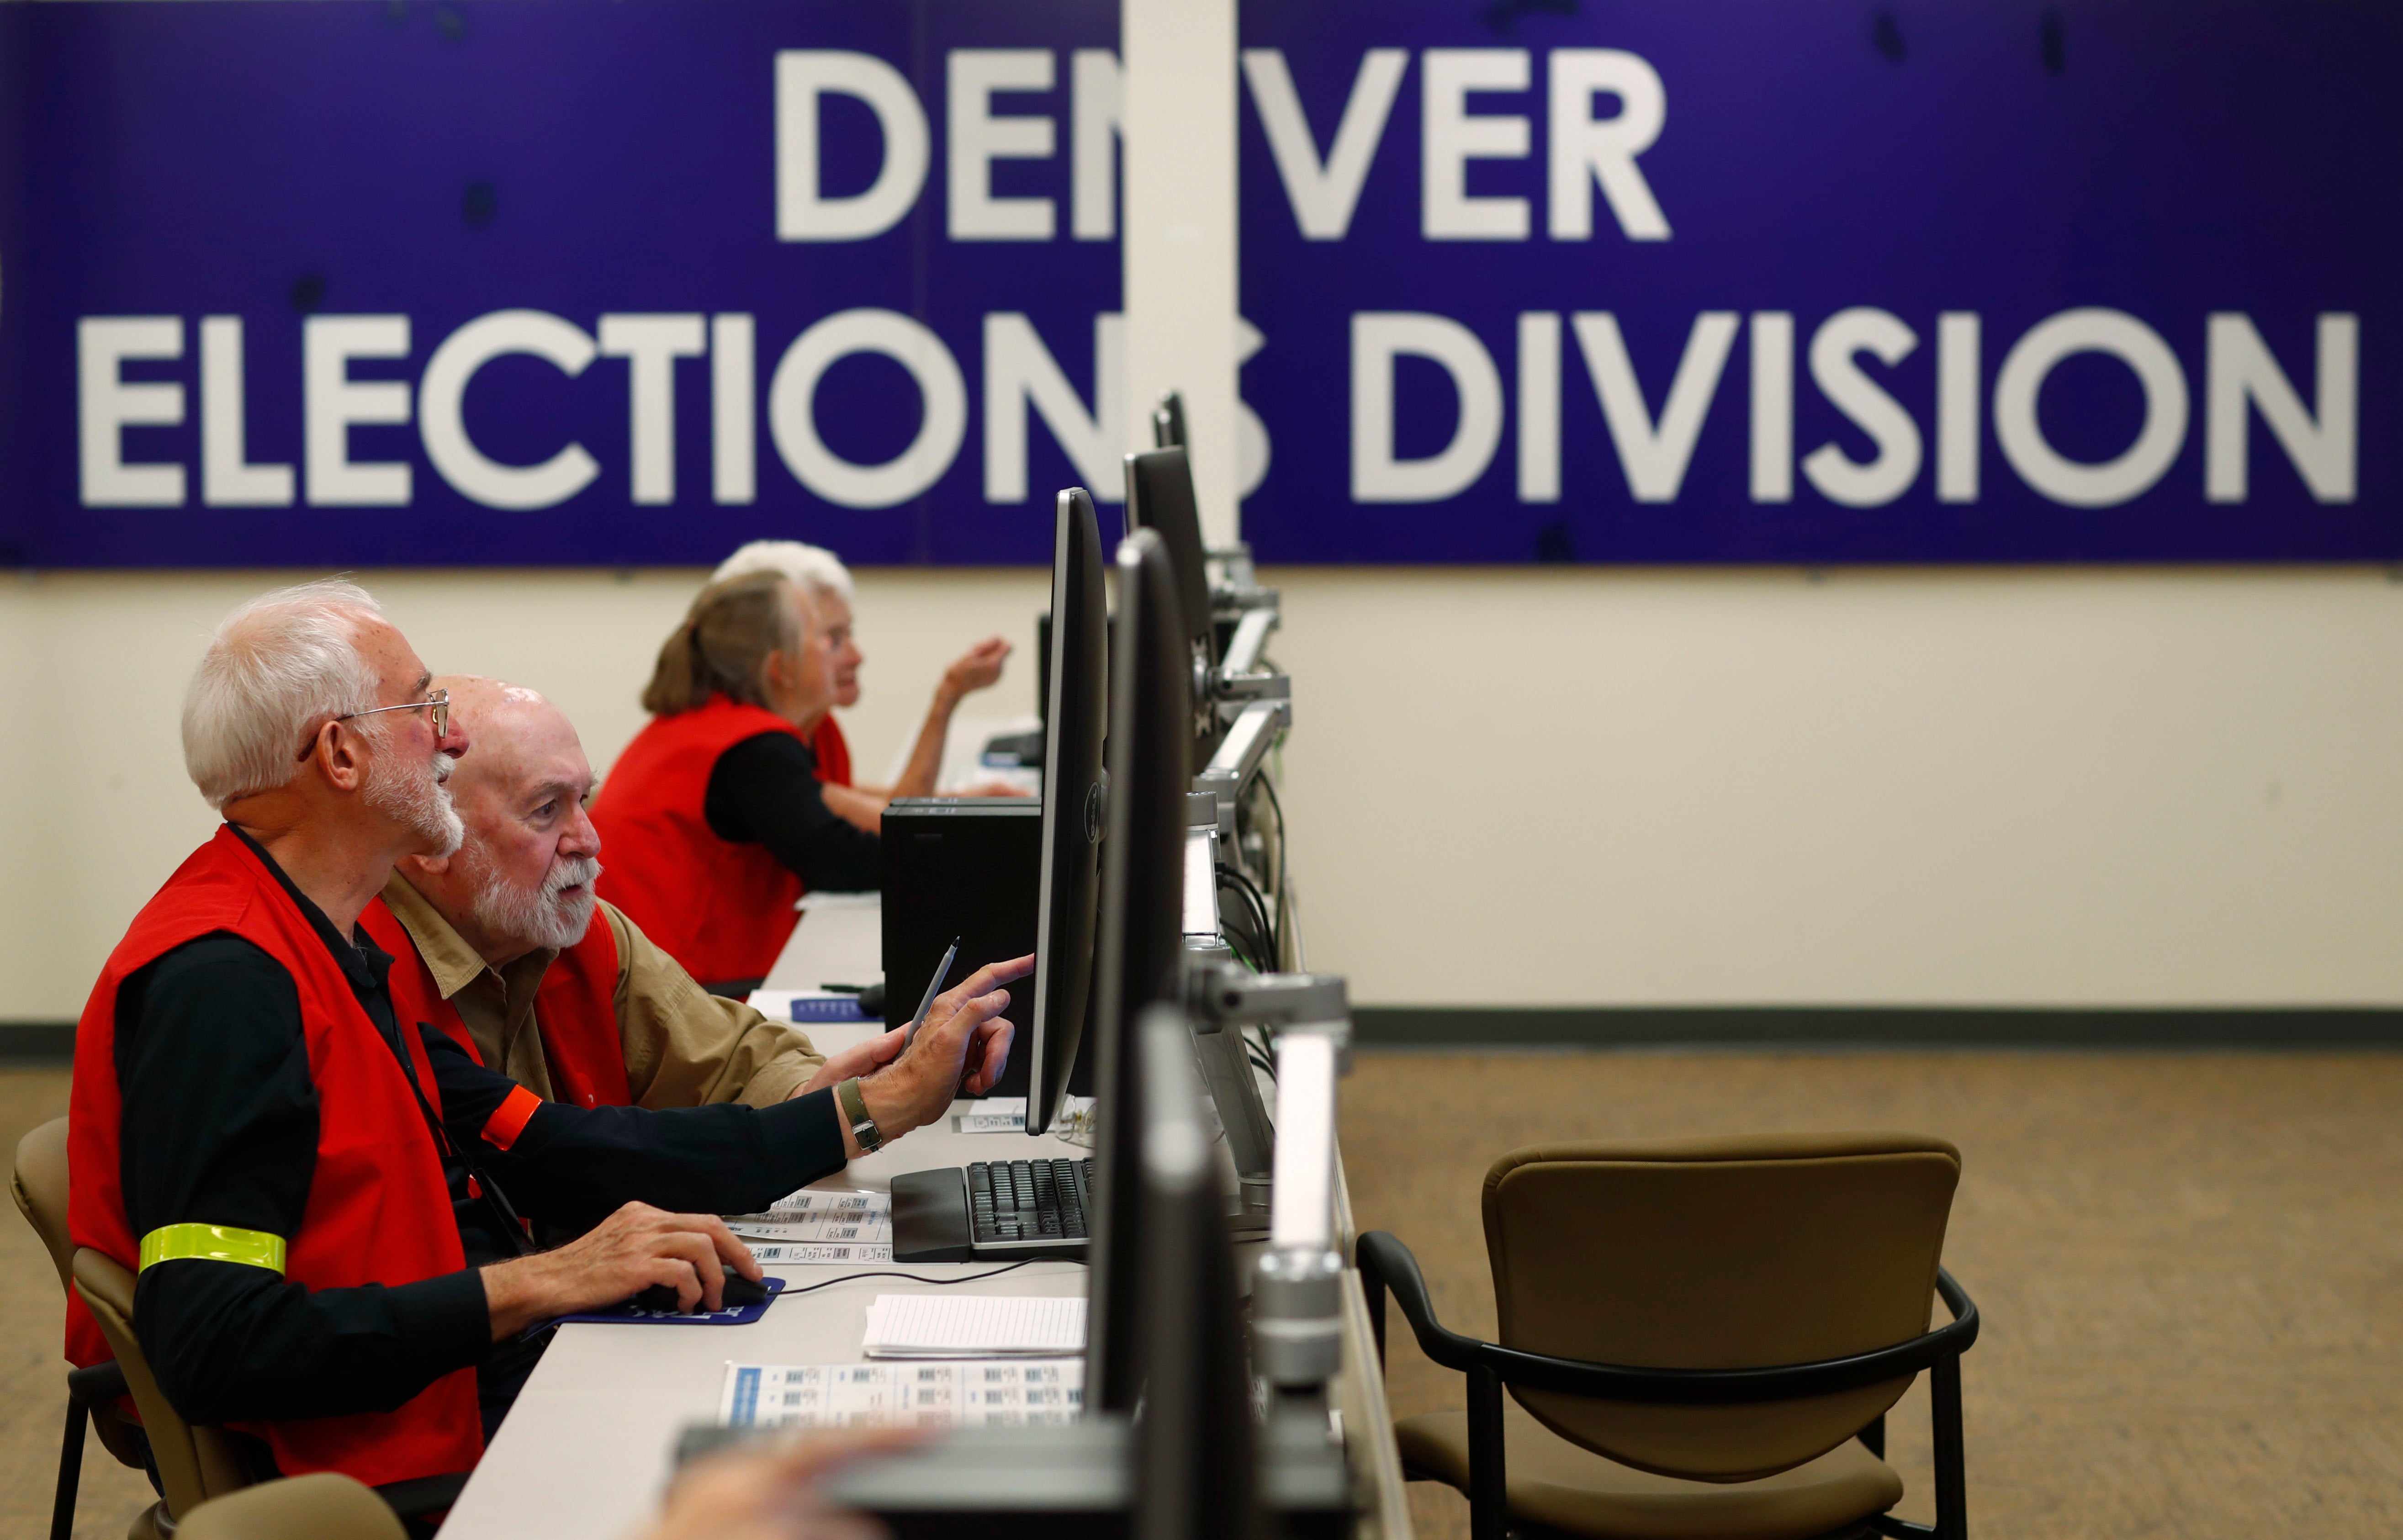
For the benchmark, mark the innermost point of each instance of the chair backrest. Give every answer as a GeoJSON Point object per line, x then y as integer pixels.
{"type": "Point", "coordinates": [323, 1506]}
{"type": "Point", "coordinates": [195, 1464]}
{"type": "Point", "coordinates": [39, 1186]}
{"type": "Point", "coordinates": [1717, 1253]}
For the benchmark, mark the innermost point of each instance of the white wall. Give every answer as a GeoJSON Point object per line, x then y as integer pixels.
{"type": "Point", "coordinates": [1179, 247]}
{"type": "Point", "coordinates": [1986, 787]}
{"type": "Point", "coordinates": [1526, 787]}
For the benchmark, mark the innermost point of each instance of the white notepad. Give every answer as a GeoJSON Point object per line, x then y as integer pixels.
{"type": "Point", "coordinates": [974, 1326]}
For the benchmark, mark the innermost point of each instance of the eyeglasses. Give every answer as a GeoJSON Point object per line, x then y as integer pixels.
{"type": "Point", "coordinates": [439, 701]}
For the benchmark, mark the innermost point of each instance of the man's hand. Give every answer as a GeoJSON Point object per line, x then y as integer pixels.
{"type": "Point", "coordinates": [975, 669]}
{"type": "Point", "coordinates": [772, 1494]}
{"type": "Point", "coordinates": [630, 1251]}
{"type": "Point", "coordinates": [963, 1048]}
{"type": "Point", "coordinates": [861, 1058]}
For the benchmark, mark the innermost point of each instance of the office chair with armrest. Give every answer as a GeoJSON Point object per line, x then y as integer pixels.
{"type": "Point", "coordinates": [39, 1186]}
{"type": "Point", "coordinates": [194, 1461]}
{"type": "Point", "coordinates": [1702, 1338]}
{"type": "Point", "coordinates": [323, 1506]}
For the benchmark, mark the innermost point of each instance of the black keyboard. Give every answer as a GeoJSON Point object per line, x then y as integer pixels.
{"type": "Point", "coordinates": [1026, 1203]}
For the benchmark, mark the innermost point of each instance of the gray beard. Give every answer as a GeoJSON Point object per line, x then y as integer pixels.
{"type": "Point", "coordinates": [416, 796]}
{"type": "Point", "coordinates": [538, 916]}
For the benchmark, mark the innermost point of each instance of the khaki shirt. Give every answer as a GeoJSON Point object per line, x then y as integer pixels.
{"type": "Point", "coordinates": [684, 1045]}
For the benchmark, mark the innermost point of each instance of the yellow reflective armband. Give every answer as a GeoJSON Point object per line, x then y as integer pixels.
{"type": "Point", "coordinates": [214, 1243]}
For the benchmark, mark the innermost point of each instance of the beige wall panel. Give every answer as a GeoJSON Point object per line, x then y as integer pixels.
{"type": "Point", "coordinates": [99, 811]}
{"type": "Point", "coordinates": [1526, 787]}
{"type": "Point", "coordinates": [1737, 787]}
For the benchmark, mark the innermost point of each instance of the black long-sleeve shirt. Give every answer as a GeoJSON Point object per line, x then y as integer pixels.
{"type": "Point", "coordinates": [220, 1127]}
{"type": "Point", "coordinates": [765, 791]}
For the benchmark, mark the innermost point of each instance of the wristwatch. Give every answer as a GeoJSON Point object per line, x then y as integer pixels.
{"type": "Point", "coordinates": [855, 1112]}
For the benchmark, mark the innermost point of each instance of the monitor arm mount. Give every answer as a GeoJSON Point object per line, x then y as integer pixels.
{"type": "Point", "coordinates": [1250, 699]}
{"type": "Point", "coordinates": [1222, 999]}
{"type": "Point", "coordinates": [1257, 727]}
{"type": "Point", "coordinates": [1296, 1290]}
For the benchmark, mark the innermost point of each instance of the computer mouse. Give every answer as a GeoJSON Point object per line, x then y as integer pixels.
{"type": "Point", "coordinates": [737, 1292]}
{"type": "Point", "coordinates": [871, 1002]}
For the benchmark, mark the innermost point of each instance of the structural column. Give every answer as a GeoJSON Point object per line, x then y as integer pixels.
{"type": "Point", "coordinates": [1179, 241]}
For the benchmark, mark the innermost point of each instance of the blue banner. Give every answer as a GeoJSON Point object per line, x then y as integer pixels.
{"type": "Point", "coordinates": [574, 283]}
{"type": "Point", "coordinates": [581, 282]}
{"type": "Point", "coordinates": [1758, 281]}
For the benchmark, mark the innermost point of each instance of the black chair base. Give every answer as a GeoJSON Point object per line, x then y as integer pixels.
{"type": "Point", "coordinates": [87, 1388]}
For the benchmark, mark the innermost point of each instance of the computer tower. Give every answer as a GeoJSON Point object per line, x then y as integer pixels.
{"type": "Point", "coordinates": [971, 867]}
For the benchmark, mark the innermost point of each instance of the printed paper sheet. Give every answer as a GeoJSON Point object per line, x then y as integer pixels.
{"type": "Point", "coordinates": [1014, 1393]}
{"type": "Point", "coordinates": [812, 1225]}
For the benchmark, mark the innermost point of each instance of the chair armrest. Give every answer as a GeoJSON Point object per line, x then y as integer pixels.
{"type": "Point", "coordinates": [1385, 1262]}
{"type": "Point", "coordinates": [101, 1382]}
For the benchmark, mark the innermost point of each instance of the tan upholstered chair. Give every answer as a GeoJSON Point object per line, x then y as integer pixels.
{"type": "Point", "coordinates": [194, 1461]}
{"type": "Point", "coordinates": [324, 1507]}
{"type": "Point", "coordinates": [39, 1186]}
{"type": "Point", "coordinates": [1701, 1339]}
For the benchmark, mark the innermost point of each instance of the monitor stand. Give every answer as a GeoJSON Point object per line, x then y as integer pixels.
{"type": "Point", "coordinates": [1235, 1093]}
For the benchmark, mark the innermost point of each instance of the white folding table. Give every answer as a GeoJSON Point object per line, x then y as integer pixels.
{"type": "Point", "coordinates": [586, 1452]}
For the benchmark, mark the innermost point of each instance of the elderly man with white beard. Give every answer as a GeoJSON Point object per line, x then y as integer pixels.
{"type": "Point", "coordinates": [552, 987]}
{"type": "Point", "coordinates": [326, 1206]}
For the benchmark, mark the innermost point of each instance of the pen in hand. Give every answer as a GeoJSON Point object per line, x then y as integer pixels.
{"type": "Point", "coordinates": [934, 987]}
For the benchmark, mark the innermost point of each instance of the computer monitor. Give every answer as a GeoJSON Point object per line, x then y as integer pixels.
{"type": "Point", "coordinates": [1168, 420]}
{"type": "Point", "coordinates": [1195, 1463]}
{"type": "Point", "coordinates": [1142, 945]}
{"type": "Point", "coordinates": [1159, 496]}
{"type": "Point", "coordinates": [1067, 896]}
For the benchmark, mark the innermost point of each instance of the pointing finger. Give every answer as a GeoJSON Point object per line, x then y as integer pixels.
{"type": "Point", "coordinates": [988, 976]}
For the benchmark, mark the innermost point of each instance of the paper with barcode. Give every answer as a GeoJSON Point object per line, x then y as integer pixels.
{"type": "Point", "coordinates": [974, 1326]}
{"type": "Point", "coordinates": [812, 1225]}
{"type": "Point", "coordinates": [1007, 1115]}
{"type": "Point", "coordinates": [994, 1115]}
{"type": "Point", "coordinates": [1016, 1393]}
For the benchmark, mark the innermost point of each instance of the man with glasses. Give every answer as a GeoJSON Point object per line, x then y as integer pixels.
{"type": "Point", "coordinates": [326, 1206]}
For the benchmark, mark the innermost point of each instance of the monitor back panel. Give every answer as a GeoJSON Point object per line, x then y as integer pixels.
{"type": "Point", "coordinates": [969, 866]}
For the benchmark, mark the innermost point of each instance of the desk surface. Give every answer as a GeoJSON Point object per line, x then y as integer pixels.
{"type": "Point", "coordinates": [584, 1454]}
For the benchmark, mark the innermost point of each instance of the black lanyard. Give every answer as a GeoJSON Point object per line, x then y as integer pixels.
{"type": "Point", "coordinates": [479, 1181]}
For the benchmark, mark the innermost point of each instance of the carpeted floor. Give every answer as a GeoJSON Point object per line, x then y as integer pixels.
{"type": "Point", "coordinates": [2190, 1268]}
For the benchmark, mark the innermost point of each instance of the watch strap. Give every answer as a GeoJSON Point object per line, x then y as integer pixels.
{"type": "Point", "coordinates": [855, 1112]}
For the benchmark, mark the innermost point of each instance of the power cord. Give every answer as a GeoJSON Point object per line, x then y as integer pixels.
{"type": "Point", "coordinates": [938, 1283]}
{"type": "Point", "coordinates": [1268, 784]}
{"type": "Point", "coordinates": [1260, 906]}
{"type": "Point", "coordinates": [1251, 950]}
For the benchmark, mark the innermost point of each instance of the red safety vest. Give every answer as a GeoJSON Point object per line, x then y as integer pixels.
{"type": "Point", "coordinates": [378, 1211]}
{"type": "Point", "coordinates": [722, 909]}
{"type": "Point", "coordinates": [833, 752]}
{"type": "Point", "coordinates": [574, 1008]}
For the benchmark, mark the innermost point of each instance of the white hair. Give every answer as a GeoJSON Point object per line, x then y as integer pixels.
{"type": "Point", "coordinates": [813, 567]}
{"type": "Point", "coordinates": [274, 669]}
{"type": "Point", "coordinates": [534, 914]}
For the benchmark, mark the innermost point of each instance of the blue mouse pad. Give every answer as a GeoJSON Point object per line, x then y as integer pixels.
{"type": "Point", "coordinates": [628, 1315]}
{"type": "Point", "coordinates": [828, 1007]}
